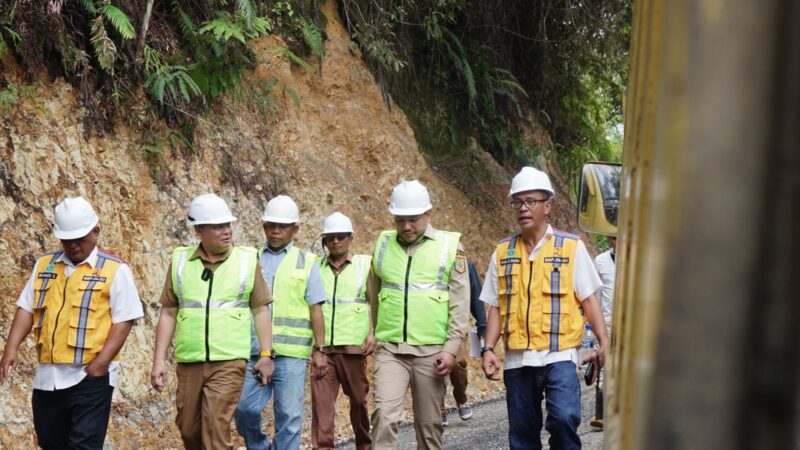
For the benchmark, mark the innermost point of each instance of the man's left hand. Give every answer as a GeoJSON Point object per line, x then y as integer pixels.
{"type": "Point", "coordinates": [369, 345]}
{"type": "Point", "coordinates": [319, 364]}
{"type": "Point", "coordinates": [97, 368]}
{"type": "Point", "coordinates": [444, 364]}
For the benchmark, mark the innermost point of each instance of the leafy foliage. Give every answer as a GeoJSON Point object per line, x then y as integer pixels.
{"type": "Point", "coordinates": [172, 80]}
{"type": "Point", "coordinates": [484, 63]}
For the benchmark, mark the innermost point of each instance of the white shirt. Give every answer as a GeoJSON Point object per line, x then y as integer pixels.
{"type": "Point", "coordinates": [607, 269]}
{"type": "Point", "coordinates": [585, 282]}
{"type": "Point", "coordinates": [125, 305]}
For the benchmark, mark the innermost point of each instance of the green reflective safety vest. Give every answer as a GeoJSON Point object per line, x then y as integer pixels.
{"type": "Point", "coordinates": [291, 317]}
{"type": "Point", "coordinates": [345, 308]}
{"type": "Point", "coordinates": [213, 322]}
{"type": "Point", "coordinates": [414, 300]}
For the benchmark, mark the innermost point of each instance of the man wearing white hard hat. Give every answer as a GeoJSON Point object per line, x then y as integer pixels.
{"type": "Point", "coordinates": [540, 283]}
{"type": "Point", "coordinates": [297, 322]}
{"type": "Point", "coordinates": [81, 303]}
{"type": "Point", "coordinates": [419, 293]}
{"type": "Point", "coordinates": [210, 294]}
{"type": "Point", "coordinates": [348, 336]}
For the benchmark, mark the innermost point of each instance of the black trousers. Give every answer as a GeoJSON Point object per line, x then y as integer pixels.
{"type": "Point", "coordinates": [73, 418]}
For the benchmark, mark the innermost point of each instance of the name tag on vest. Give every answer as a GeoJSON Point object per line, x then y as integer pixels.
{"type": "Point", "coordinates": [510, 261]}
{"type": "Point", "coordinates": [47, 275]}
{"type": "Point", "coordinates": [557, 260]}
{"type": "Point", "coordinates": [94, 278]}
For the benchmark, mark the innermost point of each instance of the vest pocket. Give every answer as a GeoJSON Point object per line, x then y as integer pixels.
{"type": "Point", "coordinates": [81, 330]}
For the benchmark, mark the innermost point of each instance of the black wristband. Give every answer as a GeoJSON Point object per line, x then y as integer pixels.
{"type": "Point", "coordinates": [486, 349]}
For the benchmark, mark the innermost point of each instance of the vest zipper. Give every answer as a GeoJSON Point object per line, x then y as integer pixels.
{"type": "Point", "coordinates": [208, 309]}
{"type": "Point", "coordinates": [55, 327]}
{"type": "Point", "coordinates": [528, 313]}
{"type": "Point", "coordinates": [405, 302]}
{"type": "Point", "coordinates": [333, 305]}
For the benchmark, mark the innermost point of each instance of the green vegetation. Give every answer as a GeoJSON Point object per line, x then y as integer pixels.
{"type": "Point", "coordinates": [184, 53]}
{"type": "Point", "coordinates": [476, 67]}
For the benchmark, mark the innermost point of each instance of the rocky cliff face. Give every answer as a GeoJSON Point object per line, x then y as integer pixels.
{"type": "Point", "coordinates": [342, 149]}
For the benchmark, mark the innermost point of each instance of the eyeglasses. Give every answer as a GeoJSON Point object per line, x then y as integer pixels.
{"type": "Point", "coordinates": [404, 219]}
{"type": "Point", "coordinates": [529, 203]}
{"type": "Point", "coordinates": [336, 237]}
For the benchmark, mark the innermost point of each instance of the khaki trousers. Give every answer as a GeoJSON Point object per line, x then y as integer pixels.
{"type": "Point", "coordinates": [393, 375]}
{"type": "Point", "coordinates": [207, 395]}
{"type": "Point", "coordinates": [458, 377]}
{"type": "Point", "coordinates": [351, 372]}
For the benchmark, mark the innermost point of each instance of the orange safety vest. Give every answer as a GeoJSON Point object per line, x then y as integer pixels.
{"type": "Point", "coordinates": [538, 306]}
{"type": "Point", "coordinates": [72, 315]}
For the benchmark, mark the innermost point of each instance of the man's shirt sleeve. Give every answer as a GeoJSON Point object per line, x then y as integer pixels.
{"type": "Point", "coordinates": [489, 291]}
{"type": "Point", "coordinates": [25, 300]}
{"type": "Point", "coordinates": [585, 278]}
{"type": "Point", "coordinates": [125, 303]}
{"type": "Point", "coordinates": [315, 291]}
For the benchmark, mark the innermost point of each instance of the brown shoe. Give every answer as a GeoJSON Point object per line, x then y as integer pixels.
{"type": "Point", "coordinates": [597, 423]}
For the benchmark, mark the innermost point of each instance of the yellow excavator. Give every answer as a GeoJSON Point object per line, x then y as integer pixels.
{"type": "Point", "coordinates": [706, 205]}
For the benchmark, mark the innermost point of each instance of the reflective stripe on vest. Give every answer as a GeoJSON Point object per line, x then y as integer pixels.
{"type": "Point", "coordinates": [291, 316]}
{"type": "Point", "coordinates": [413, 303]}
{"type": "Point", "coordinates": [213, 315]}
{"type": "Point", "coordinates": [72, 316]}
{"type": "Point", "coordinates": [538, 306]}
{"type": "Point", "coordinates": [345, 310]}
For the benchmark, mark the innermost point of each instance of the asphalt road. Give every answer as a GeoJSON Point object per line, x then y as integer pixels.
{"type": "Point", "coordinates": [488, 428]}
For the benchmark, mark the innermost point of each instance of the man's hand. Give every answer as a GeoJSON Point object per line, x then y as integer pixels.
{"type": "Point", "coordinates": [97, 368]}
{"type": "Point", "coordinates": [8, 363]}
{"type": "Point", "coordinates": [265, 367]}
{"type": "Point", "coordinates": [598, 357]}
{"type": "Point", "coordinates": [158, 375]}
{"type": "Point", "coordinates": [491, 368]}
{"type": "Point", "coordinates": [319, 364]}
{"type": "Point", "coordinates": [444, 364]}
{"type": "Point", "coordinates": [369, 345]}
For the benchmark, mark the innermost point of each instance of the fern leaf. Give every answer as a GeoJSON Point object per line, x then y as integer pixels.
{"type": "Point", "coordinates": [292, 57]}
{"type": "Point", "coordinates": [104, 48]}
{"type": "Point", "coordinates": [120, 21]}
{"type": "Point", "coordinates": [88, 5]}
{"type": "Point", "coordinates": [248, 11]}
{"type": "Point", "coordinates": [313, 38]}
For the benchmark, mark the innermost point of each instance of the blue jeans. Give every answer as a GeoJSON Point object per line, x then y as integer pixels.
{"type": "Point", "coordinates": [288, 383]}
{"type": "Point", "coordinates": [525, 387]}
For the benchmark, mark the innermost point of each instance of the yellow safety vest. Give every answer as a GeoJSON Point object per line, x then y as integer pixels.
{"type": "Point", "coordinates": [291, 317]}
{"type": "Point", "coordinates": [538, 306]}
{"type": "Point", "coordinates": [213, 322]}
{"type": "Point", "coordinates": [72, 315]}
{"type": "Point", "coordinates": [414, 300]}
{"type": "Point", "coordinates": [345, 308]}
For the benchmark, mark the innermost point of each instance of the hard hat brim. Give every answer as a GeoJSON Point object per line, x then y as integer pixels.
{"type": "Point", "coordinates": [74, 234]}
{"type": "Point", "coordinates": [277, 219]}
{"type": "Point", "coordinates": [409, 211]}
{"type": "Point", "coordinates": [519, 191]}
{"type": "Point", "coordinates": [336, 230]}
{"type": "Point", "coordinates": [214, 221]}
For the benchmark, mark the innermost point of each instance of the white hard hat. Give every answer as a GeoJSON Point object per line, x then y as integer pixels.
{"type": "Point", "coordinates": [75, 218]}
{"type": "Point", "coordinates": [337, 223]}
{"type": "Point", "coordinates": [281, 209]}
{"type": "Point", "coordinates": [531, 179]}
{"type": "Point", "coordinates": [209, 209]}
{"type": "Point", "coordinates": [409, 198]}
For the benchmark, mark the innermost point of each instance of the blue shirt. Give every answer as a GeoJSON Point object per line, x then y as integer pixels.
{"type": "Point", "coordinates": [315, 291]}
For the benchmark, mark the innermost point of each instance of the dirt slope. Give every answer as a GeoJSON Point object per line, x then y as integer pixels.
{"type": "Point", "coordinates": [342, 149]}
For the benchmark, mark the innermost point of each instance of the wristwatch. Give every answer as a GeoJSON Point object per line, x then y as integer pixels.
{"type": "Point", "coordinates": [267, 353]}
{"type": "Point", "coordinates": [486, 349]}
{"type": "Point", "coordinates": [320, 348]}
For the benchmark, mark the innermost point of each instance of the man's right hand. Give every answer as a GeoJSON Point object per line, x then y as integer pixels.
{"type": "Point", "coordinates": [491, 368]}
{"type": "Point", "coordinates": [8, 363]}
{"type": "Point", "coordinates": [158, 375]}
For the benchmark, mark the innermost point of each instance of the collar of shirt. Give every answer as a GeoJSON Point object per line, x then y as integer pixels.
{"type": "Point", "coordinates": [91, 260]}
{"type": "Point", "coordinates": [201, 253]}
{"type": "Point", "coordinates": [347, 260]}
{"type": "Point", "coordinates": [547, 234]}
{"type": "Point", "coordinates": [283, 250]}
